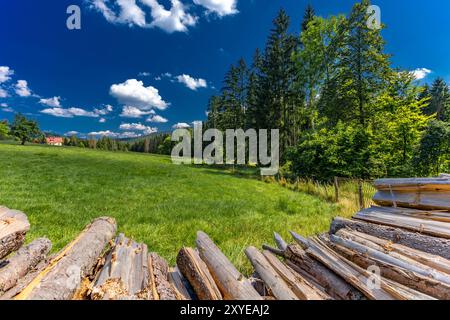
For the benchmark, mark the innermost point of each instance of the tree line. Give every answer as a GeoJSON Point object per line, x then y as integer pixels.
{"type": "Point", "coordinates": [341, 108]}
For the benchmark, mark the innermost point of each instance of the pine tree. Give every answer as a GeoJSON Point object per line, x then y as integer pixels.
{"type": "Point", "coordinates": [440, 100]}
{"type": "Point", "coordinates": [308, 17]}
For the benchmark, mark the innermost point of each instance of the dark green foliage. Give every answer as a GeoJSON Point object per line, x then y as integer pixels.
{"type": "Point", "coordinates": [25, 130]}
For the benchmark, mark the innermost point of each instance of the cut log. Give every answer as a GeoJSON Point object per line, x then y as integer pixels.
{"type": "Point", "coordinates": [181, 286]}
{"type": "Point", "coordinates": [407, 278]}
{"type": "Point", "coordinates": [333, 284]}
{"type": "Point", "coordinates": [427, 259]}
{"type": "Point", "coordinates": [300, 286]}
{"type": "Point", "coordinates": [232, 284]}
{"type": "Point", "coordinates": [433, 228]}
{"type": "Point", "coordinates": [414, 184]}
{"type": "Point", "coordinates": [198, 275]}
{"type": "Point", "coordinates": [426, 200]}
{"type": "Point", "coordinates": [432, 245]}
{"type": "Point", "coordinates": [125, 273]}
{"type": "Point", "coordinates": [160, 273]}
{"type": "Point", "coordinates": [13, 227]}
{"type": "Point", "coordinates": [396, 260]}
{"type": "Point", "coordinates": [271, 278]}
{"type": "Point", "coordinates": [62, 277]}
{"type": "Point", "coordinates": [353, 274]}
{"type": "Point", "coordinates": [24, 261]}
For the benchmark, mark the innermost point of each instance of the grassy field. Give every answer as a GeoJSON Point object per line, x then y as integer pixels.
{"type": "Point", "coordinates": [154, 201]}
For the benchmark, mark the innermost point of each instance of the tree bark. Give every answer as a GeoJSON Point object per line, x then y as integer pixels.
{"type": "Point", "coordinates": [25, 260]}
{"type": "Point", "coordinates": [160, 273]}
{"type": "Point", "coordinates": [432, 245]}
{"type": "Point", "coordinates": [62, 277]}
{"type": "Point", "coordinates": [181, 286]}
{"type": "Point", "coordinates": [13, 227]}
{"type": "Point", "coordinates": [198, 275]}
{"type": "Point", "coordinates": [232, 284]}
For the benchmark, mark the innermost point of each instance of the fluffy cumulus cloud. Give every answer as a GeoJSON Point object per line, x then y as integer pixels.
{"type": "Point", "coordinates": [5, 73]}
{"type": "Point", "coordinates": [71, 133]}
{"type": "Point", "coordinates": [219, 7]}
{"type": "Point", "coordinates": [104, 111]}
{"type": "Point", "coordinates": [102, 120]}
{"type": "Point", "coordinates": [176, 19]}
{"type": "Point", "coordinates": [181, 125]}
{"type": "Point", "coordinates": [138, 127]}
{"type": "Point", "coordinates": [157, 119]}
{"type": "Point", "coordinates": [191, 82]}
{"type": "Point", "coordinates": [133, 93]}
{"type": "Point", "coordinates": [128, 12]}
{"type": "Point", "coordinates": [69, 113]}
{"type": "Point", "coordinates": [22, 89]}
{"type": "Point", "coordinates": [421, 73]}
{"type": "Point", "coordinates": [54, 102]}
{"type": "Point", "coordinates": [133, 112]}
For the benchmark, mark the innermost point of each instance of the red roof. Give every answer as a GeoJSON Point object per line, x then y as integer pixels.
{"type": "Point", "coordinates": [51, 140]}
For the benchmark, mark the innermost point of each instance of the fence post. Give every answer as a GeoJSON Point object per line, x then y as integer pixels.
{"type": "Point", "coordinates": [336, 188]}
{"type": "Point", "coordinates": [360, 194]}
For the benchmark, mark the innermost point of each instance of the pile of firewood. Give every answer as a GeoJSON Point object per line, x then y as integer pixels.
{"type": "Point", "coordinates": [398, 250]}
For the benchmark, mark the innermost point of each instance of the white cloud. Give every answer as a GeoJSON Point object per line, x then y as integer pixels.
{"type": "Point", "coordinates": [3, 93]}
{"type": "Point", "coordinates": [103, 112]}
{"type": "Point", "coordinates": [102, 120]}
{"type": "Point", "coordinates": [181, 125]}
{"type": "Point", "coordinates": [51, 102]}
{"type": "Point", "coordinates": [133, 112]}
{"type": "Point", "coordinates": [157, 119]}
{"type": "Point", "coordinates": [130, 13]}
{"type": "Point", "coordinates": [138, 127]}
{"type": "Point", "coordinates": [116, 135]}
{"type": "Point", "coordinates": [191, 82]}
{"type": "Point", "coordinates": [421, 73]}
{"type": "Point", "coordinates": [220, 7]}
{"type": "Point", "coordinates": [133, 93]}
{"type": "Point", "coordinates": [173, 20]}
{"type": "Point", "coordinates": [6, 108]}
{"type": "Point", "coordinates": [106, 133]}
{"type": "Point", "coordinates": [144, 74]}
{"type": "Point", "coordinates": [22, 88]}
{"type": "Point", "coordinates": [69, 113]}
{"type": "Point", "coordinates": [71, 133]}
{"type": "Point", "coordinates": [5, 73]}
{"type": "Point", "coordinates": [4, 105]}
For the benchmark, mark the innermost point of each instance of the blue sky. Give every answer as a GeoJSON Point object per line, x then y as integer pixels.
{"type": "Point", "coordinates": [137, 66]}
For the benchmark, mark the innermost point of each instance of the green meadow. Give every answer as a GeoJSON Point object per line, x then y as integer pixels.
{"type": "Point", "coordinates": [154, 201]}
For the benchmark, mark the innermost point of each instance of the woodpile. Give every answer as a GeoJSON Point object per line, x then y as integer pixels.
{"type": "Point", "coordinates": [399, 250]}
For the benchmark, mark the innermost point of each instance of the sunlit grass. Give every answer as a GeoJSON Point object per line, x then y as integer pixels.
{"type": "Point", "coordinates": [154, 201]}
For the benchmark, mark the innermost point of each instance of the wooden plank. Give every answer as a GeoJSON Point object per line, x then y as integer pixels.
{"type": "Point", "coordinates": [441, 216]}
{"type": "Point", "coordinates": [429, 244]}
{"type": "Point", "coordinates": [63, 276]}
{"type": "Point", "coordinates": [13, 227]}
{"type": "Point", "coordinates": [302, 288]}
{"type": "Point", "coordinates": [433, 228]}
{"type": "Point", "coordinates": [413, 184]}
{"type": "Point", "coordinates": [425, 200]}
{"type": "Point", "coordinates": [24, 261]}
{"type": "Point", "coordinates": [271, 278]}
{"type": "Point", "coordinates": [198, 275]}
{"type": "Point", "coordinates": [232, 284]}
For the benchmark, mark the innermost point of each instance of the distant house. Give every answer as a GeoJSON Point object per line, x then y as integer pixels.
{"type": "Point", "coordinates": [54, 141]}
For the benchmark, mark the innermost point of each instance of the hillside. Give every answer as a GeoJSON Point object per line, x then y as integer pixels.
{"type": "Point", "coordinates": [63, 189]}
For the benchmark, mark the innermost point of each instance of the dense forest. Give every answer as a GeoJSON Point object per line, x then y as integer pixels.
{"type": "Point", "coordinates": [341, 108]}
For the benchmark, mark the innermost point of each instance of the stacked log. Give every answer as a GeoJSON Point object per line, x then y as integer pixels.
{"type": "Point", "coordinates": [13, 227]}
